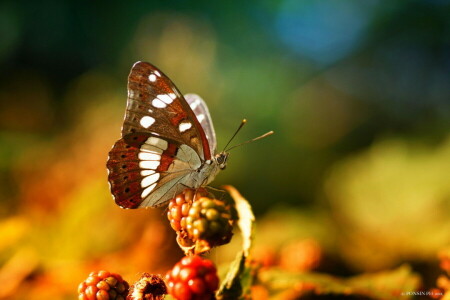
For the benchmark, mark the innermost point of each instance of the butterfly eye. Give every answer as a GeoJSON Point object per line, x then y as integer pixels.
{"type": "Point", "coordinates": [221, 159]}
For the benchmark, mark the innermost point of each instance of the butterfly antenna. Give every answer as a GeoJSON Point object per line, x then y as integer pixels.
{"type": "Point", "coordinates": [239, 128]}
{"type": "Point", "coordinates": [252, 140]}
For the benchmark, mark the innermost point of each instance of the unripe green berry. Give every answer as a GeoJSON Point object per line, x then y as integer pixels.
{"type": "Point", "coordinates": [212, 214]}
{"type": "Point", "coordinates": [210, 221]}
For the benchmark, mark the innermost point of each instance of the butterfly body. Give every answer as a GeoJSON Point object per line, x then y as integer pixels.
{"type": "Point", "coordinates": [168, 142]}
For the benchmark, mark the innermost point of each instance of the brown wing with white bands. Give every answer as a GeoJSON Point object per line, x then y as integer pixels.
{"type": "Point", "coordinates": [147, 171]}
{"type": "Point", "coordinates": [156, 106]}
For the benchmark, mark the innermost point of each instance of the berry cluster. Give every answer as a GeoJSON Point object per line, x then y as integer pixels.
{"type": "Point", "coordinates": [193, 278]}
{"type": "Point", "coordinates": [103, 285]}
{"type": "Point", "coordinates": [199, 219]}
{"type": "Point", "coordinates": [201, 222]}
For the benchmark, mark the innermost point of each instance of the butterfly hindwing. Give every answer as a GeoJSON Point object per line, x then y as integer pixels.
{"type": "Point", "coordinates": [125, 175]}
{"type": "Point", "coordinates": [147, 170]}
{"type": "Point", "coordinates": [201, 112]}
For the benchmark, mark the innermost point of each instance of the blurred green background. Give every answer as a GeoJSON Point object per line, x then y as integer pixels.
{"type": "Point", "coordinates": [357, 92]}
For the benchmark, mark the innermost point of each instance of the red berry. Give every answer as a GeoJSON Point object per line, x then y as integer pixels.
{"type": "Point", "coordinates": [102, 285]}
{"type": "Point", "coordinates": [82, 296]}
{"type": "Point", "coordinates": [181, 291]}
{"type": "Point", "coordinates": [212, 280]}
{"type": "Point", "coordinates": [179, 209]}
{"type": "Point", "coordinates": [176, 271]}
{"type": "Point", "coordinates": [90, 292]}
{"type": "Point", "coordinates": [81, 287]}
{"type": "Point", "coordinates": [171, 284]}
{"type": "Point", "coordinates": [209, 265]}
{"type": "Point", "coordinates": [189, 260]}
{"type": "Point", "coordinates": [197, 285]}
{"type": "Point", "coordinates": [104, 274]}
{"type": "Point", "coordinates": [187, 273]}
{"type": "Point", "coordinates": [92, 280]}
{"type": "Point", "coordinates": [193, 278]}
{"type": "Point", "coordinates": [102, 295]}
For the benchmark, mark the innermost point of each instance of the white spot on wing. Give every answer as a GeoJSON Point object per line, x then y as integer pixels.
{"type": "Point", "coordinates": [149, 156]}
{"type": "Point", "coordinates": [165, 98]}
{"type": "Point", "coordinates": [195, 104]}
{"type": "Point", "coordinates": [145, 164]}
{"type": "Point", "coordinates": [173, 96]}
{"type": "Point", "coordinates": [148, 190]}
{"type": "Point", "coordinates": [147, 172]}
{"type": "Point", "coordinates": [184, 126]}
{"type": "Point", "coordinates": [200, 117]}
{"type": "Point", "coordinates": [151, 149]}
{"type": "Point", "coordinates": [157, 73]}
{"type": "Point", "coordinates": [147, 121]}
{"type": "Point", "coordinates": [149, 180]}
{"type": "Point", "coordinates": [157, 142]}
{"type": "Point", "coordinates": [158, 103]}
{"type": "Point", "coordinates": [152, 77]}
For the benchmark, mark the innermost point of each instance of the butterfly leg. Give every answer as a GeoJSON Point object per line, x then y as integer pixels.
{"type": "Point", "coordinates": [175, 190]}
{"type": "Point", "coordinates": [214, 189]}
{"type": "Point", "coordinates": [222, 192]}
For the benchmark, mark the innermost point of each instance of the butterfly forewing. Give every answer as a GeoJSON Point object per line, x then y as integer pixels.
{"type": "Point", "coordinates": [155, 105]}
{"type": "Point", "coordinates": [201, 112]}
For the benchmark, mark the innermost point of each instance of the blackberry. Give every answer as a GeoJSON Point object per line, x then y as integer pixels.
{"type": "Point", "coordinates": [193, 278]}
{"type": "Point", "coordinates": [211, 221]}
{"type": "Point", "coordinates": [103, 285]}
{"type": "Point", "coordinates": [148, 287]}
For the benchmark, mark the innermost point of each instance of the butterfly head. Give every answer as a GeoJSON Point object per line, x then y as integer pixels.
{"type": "Point", "coordinates": [221, 159]}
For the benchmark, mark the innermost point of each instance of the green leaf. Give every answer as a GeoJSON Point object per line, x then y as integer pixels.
{"type": "Point", "coordinates": [231, 287]}
{"type": "Point", "coordinates": [382, 285]}
{"type": "Point", "coordinates": [246, 218]}
{"type": "Point", "coordinates": [239, 277]}
{"type": "Point", "coordinates": [386, 284]}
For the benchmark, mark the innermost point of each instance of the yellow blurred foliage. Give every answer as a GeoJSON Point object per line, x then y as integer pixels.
{"type": "Point", "coordinates": [392, 203]}
{"type": "Point", "coordinates": [12, 230]}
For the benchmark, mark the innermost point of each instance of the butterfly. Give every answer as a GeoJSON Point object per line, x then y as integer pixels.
{"type": "Point", "coordinates": [168, 142]}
